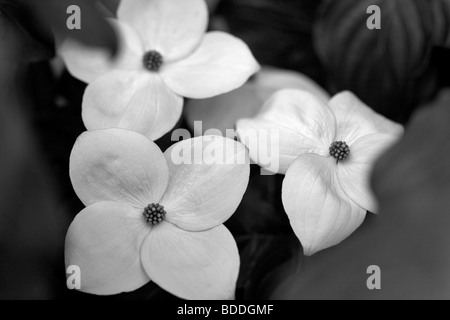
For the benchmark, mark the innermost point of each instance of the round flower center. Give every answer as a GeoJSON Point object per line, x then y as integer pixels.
{"type": "Point", "coordinates": [153, 60]}
{"type": "Point", "coordinates": [339, 150]}
{"type": "Point", "coordinates": [154, 214]}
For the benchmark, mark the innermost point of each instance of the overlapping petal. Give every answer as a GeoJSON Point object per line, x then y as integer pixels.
{"type": "Point", "coordinates": [133, 100]}
{"type": "Point", "coordinates": [118, 165]}
{"type": "Point", "coordinates": [89, 63]}
{"type": "Point", "coordinates": [208, 178]}
{"type": "Point", "coordinates": [354, 173]}
{"type": "Point", "coordinates": [172, 27]}
{"type": "Point", "coordinates": [355, 119]}
{"type": "Point", "coordinates": [320, 213]}
{"type": "Point", "coordinates": [277, 79]}
{"type": "Point", "coordinates": [104, 241]}
{"type": "Point", "coordinates": [192, 265]}
{"type": "Point", "coordinates": [221, 64]}
{"type": "Point", "coordinates": [223, 111]}
{"type": "Point", "coordinates": [302, 122]}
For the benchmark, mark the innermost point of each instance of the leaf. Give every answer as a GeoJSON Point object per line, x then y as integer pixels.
{"type": "Point", "coordinates": [50, 17]}
{"type": "Point", "coordinates": [412, 181]}
{"type": "Point", "coordinates": [391, 69]}
{"type": "Point", "coordinates": [279, 32]}
{"type": "Point", "coordinates": [261, 254]}
{"type": "Point", "coordinates": [18, 39]}
{"type": "Point", "coordinates": [441, 22]}
{"type": "Point", "coordinates": [32, 221]}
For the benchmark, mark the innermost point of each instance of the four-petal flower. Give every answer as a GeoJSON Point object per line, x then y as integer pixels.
{"type": "Point", "coordinates": [164, 56]}
{"type": "Point", "coordinates": [327, 153]}
{"type": "Point", "coordinates": [148, 218]}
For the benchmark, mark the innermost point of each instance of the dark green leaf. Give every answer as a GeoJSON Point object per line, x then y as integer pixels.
{"type": "Point", "coordinates": [279, 32]}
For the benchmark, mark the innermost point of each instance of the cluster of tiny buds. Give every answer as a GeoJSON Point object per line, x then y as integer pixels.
{"type": "Point", "coordinates": [154, 214]}
{"type": "Point", "coordinates": [153, 60]}
{"type": "Point", "coordinates": [339, 150]}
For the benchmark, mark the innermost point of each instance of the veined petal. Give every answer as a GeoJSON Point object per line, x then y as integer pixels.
{"type": "Point", "coordinates": [89, 63]}
{"type": "Point", "coordinates": [192, 265]}
{"type": "Point", "coordinates": [292, 123]}
{"type": "Point", "coordinates": [355, 119]}
{"type": "Point", "coordinates": [354, 172]}
{"type": "Point", "coordinates": [174, 28]}
{"type": "Point", "coordinates": [104, 241]}
{"type": "Point", "coordinates": [118, 165]}
{"type": "Point", "coordinates": [137, 101]}
{"type": "Point", "coordinates": [222, 112]}
{"type": "Point", "coordinates": [221, 64]}
{"type": "Point", "coordinates": [320, 213]}
{"type": "Point", "coordinates": [208, 178]}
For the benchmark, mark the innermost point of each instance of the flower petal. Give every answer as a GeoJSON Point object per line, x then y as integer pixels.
{"type": "Point", "coordinates": [355, 119]}
{"type": "Point", "coordinates": [221, 64]}
{"type": "Point", "coordinates": [320, 213]}
{"type": "Point", "coordinates": [89, 63]}
{"type": "Point", "coordinates": [278, 79]}
{"type": "Point", "coordinates": [104, 241]}
{"type": "Point", "coordinates": [222, 112]}
{"type": "Point", "coordinates": [172, 27]}
{"type": "Point", "coordinates": [192, 265]}
{"type": "Point", "coordinates": [118, 165]}
{"type": "Point", "coordinates": [354, 173]}
{"type": "Point", "coordinates": [208, 178]}
{"type": "Point", "coordinates": [137, 101]}
{"type": "Point", "coordinates": [292, 123]}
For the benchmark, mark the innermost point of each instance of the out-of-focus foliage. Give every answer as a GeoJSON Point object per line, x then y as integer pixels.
{"type": "Point", "coordinates": [33, 219]}
{"type": "Point", "coordinates": [412, 181]}
{"type": "Point", "coordinates": [392, 69]}
{"type": "Point", "coordinates": [47, 18]}
{"type": "Point", "coordinates": [279, 32]}
{"type": "Point", "coordinates": [406, 240]}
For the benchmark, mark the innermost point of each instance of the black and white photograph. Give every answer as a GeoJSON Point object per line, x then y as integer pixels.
{"type": "Point", "coordinates": [222, 156]}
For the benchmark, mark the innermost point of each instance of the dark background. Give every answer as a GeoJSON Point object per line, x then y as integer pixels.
{"type": "Point", "coordinates": [395, 70]}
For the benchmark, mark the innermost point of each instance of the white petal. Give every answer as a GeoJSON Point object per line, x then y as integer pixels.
{"type": "Point", "coordinates": [208, 178]}
{"type": "Point", "coordinates": [320, 213]}
{"type": "Point", "coordinates": [172, 27]}
{"type": "Point", "coordinates": [355, 119]}
{"type": "Point", "coordinates": [89, 63]}
{"type": "Point", "coordinates": [222, 112]}
{"type": "Point", "coordinates": [292, 123]}
{"type": "Point", "coordinates": [278, 79]}
{"type": "Point", "coordinates": [104, 241]}
{"type": "Point", "coordinates": [118, 165]}
{"type": "Point", "coordinates": [137, 101]}
{"type": "Point", "coordinates": [192, 265]}
{"type": "Point", "coordinates": [221, 64]}
{"type": "Point", "coordinates": [354, 172]}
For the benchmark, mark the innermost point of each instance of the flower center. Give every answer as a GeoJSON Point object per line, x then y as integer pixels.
{"type": "Point", "coordinates": [339, 150]}
{"type": "Point", "coordinates": [154, 214]}
{"type": "Point", "coordinates": [153, 60]}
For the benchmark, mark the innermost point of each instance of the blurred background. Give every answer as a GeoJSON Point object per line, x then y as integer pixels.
{"type": "Point", "coordinates": [401, 71]}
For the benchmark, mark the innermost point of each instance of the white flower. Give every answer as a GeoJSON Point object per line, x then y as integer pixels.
{"type": "Point", "coordinates": [326, 191]}
{"type": "Point", "coordinates": [149, 219]}
{"type": "Point", "coordinates": [164, 56]}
